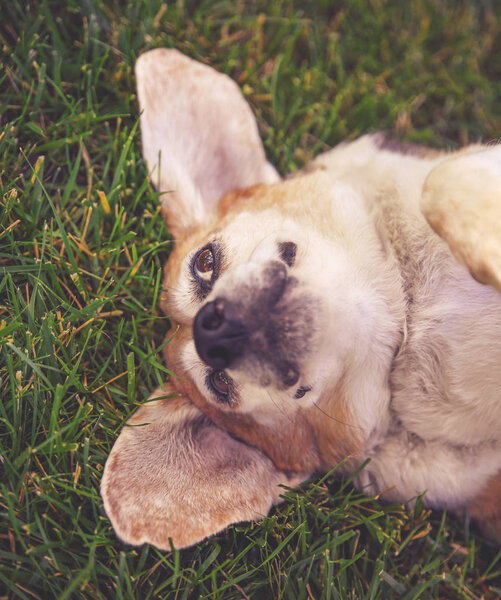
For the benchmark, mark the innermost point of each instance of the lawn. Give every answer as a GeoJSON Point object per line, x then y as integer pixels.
{"type": "Point", "coordinates": [82, 244]}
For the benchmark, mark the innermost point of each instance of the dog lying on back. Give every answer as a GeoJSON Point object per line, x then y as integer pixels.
{"type": "Point", "coordinates": [314, 319]}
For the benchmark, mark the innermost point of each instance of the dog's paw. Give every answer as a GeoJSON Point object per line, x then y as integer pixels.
{"type": "Point", "coordinates": [462, 202]}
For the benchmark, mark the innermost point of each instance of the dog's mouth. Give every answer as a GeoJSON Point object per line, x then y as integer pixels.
{"type": "Point", "coordinates": [263, 332]}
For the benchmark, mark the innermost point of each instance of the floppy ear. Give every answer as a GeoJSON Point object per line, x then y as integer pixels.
{"type": "Point", "coordinates": [173, 474]}
{"type": "Point", "coordinates": [462, 202]}
{"type": "Point", "coordinates": [200, 138]}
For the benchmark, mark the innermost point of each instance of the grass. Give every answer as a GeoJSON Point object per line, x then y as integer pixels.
{"type": "Point", "coordinates": [82, 246]}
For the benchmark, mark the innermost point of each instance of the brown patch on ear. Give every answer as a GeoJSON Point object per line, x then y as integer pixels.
{"type": "Point", "coordinates": [173, 474]}
{"type": "Point", "coordinates": [486, 508]}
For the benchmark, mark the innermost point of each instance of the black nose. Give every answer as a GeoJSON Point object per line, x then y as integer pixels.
{"type": "Point", "coordinates": [219, 335]}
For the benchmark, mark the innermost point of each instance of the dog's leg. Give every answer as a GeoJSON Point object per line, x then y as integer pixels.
{"type": "Point", "coordinates": [449, 475]}
{"type": "Point", "coordinates": [462, 202]}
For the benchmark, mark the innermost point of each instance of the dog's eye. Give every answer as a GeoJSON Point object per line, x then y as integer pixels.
{"type": "Point", "coordinates": [205, 267]}
{"type": "Point", "coordinates": [221, 385]}
{"type": "Point", "coordinates": [287, 252]}
{"type": "Point", "coordinates": [220, 382]}
{"type": "Point", "coordinates": [204, 264]}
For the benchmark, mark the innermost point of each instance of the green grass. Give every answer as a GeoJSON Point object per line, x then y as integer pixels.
{"type": "Point", "coordinates": [80, 329]}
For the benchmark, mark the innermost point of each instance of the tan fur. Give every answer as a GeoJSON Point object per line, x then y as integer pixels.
{"type": "Point", "coordinates": [396, 347]}
{"type": "Point", "coordinates": [486, 507]}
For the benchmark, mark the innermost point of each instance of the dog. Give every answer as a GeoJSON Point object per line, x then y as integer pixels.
{"type": "Point", "coordinates": [316, 320]}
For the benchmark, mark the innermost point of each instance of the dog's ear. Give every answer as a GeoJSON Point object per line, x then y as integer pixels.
{"type": "Point", "coordinates": [200, 138]}
{"type": "Point", "coordinates": [462, 202]}
{"type": "Point", "coordinates": [173, 474]}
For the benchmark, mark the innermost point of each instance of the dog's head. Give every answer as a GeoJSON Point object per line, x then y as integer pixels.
{"type": "Point", "coordinates": [279, 326]}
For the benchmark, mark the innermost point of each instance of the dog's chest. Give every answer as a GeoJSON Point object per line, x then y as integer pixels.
{"type": "Point", "coordinates": [446, 378]}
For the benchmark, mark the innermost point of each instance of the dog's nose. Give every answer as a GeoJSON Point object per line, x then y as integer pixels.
{"type": "Point", "coordinates": [219, 335]}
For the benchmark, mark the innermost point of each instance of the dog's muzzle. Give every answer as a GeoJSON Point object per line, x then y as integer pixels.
{"type": "Point", "coordinates": [261, 328]}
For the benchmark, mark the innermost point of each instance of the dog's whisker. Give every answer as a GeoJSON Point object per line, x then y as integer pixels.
{"type": "Point", "coordinates": [279, 408]}
{"type": "Point", "coordinates": [337, 420]}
